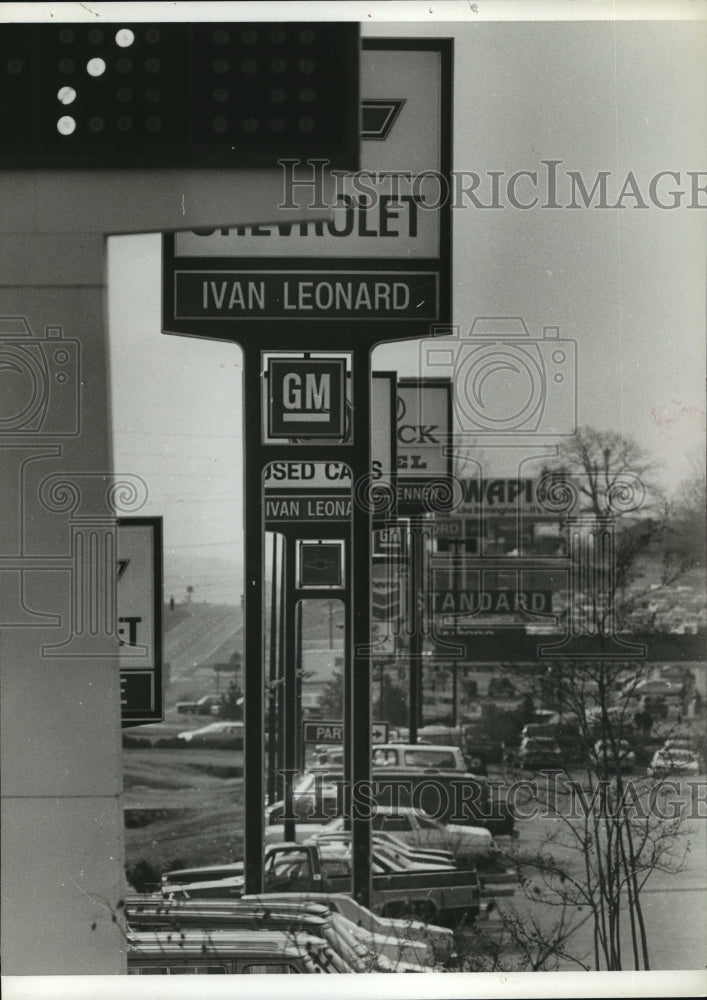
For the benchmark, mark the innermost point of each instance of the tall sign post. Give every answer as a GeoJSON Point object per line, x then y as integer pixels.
{"type": "Point", "coordinates": [298, 298]}
{"type": "Point", "coordinates": [424, 487]}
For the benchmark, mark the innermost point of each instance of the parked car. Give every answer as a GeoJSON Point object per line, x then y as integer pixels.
{"type": "Point", "coordinates": [390, 857]}
{"type": "Point", "coordinates": [418, 830]}
{"type": "Point", "coordinates": [414, 756]}
{"type": "Point", "coordinates": [673, 760]}
{"type": "Point", "coordinates": [453, 894]}
{"type": "Point", "coordinates": [407, 939]}
{"type": "Point", "coordinates": [457, 797]}
{"type": "Point", "coordinates": [359, 951]}
{"type": "Point", "coordinates": [227, 735]}
{"type": "Point", "coordinates": [210, 704]}
{"type": "Point", "coordinates": [329, 756]}
{"type": "Point", "coordinates": [401, 755]}
{"type": "Point", "coordinates": [535, 729]}
{"type": "Point", "coordinates": [538, 753]}
{"type": "Point", "coordinates": [467, 845]}
{"type": "Point", "coordinates": [208, 951]}
{"type": "Point", "coordinates": [607, 756]}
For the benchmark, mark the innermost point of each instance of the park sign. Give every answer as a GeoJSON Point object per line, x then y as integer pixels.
{"type": "Point", "coordinates": [382, 257]}
{"type": "Point", "coordinates": [321, 731]}
{"type": "Point", "coordinates": [139, 602]}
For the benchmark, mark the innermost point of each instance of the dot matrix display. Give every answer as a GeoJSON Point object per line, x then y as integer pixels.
{"type": "Point", "coordinates": [174, 94]}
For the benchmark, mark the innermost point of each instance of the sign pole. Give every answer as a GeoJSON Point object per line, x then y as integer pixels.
{"type": "Point", "coordinates": [416, 592]}
{"type": "Point", "coordinates": [299, 677]}
{"type": "Point", "coordinates": [274, 674]}
{"type": "Point", "coordinates": [253, 461]}
{"type": "Point", "coordinates": [290, 686]}
{"type": "Point", "coordinates": [280, 707]}
{"type": "Point", "coordinates": [357, 731]}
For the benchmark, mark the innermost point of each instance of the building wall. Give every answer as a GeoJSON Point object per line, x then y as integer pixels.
{"type": "Point", "coordinates": [62, 823]}
{"type": "Point", "coordinates": [60, 736]}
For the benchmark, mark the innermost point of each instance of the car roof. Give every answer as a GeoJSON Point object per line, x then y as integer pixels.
{"type": "Point", "coordinates": [197, 942]}
{"type": "Point", "coordinates": [224, 907]}
{"type": "Point", "coordinates": [416, 746]}
{"type": "Point", "coordinates": [230, 868]}
{"type": "Point", "coordinates": [217, 727]}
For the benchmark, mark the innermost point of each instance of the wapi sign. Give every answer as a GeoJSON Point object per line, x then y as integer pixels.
{"type": "Point", "coordinates": [306, 398]}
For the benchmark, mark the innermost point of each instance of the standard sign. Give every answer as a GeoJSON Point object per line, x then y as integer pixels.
{"type": "Point", "coordinates": [317, 731]}
{"type": "Point", "coordinates": [139, 573]}
{"type": "Point", "coordinates": [306, 398]}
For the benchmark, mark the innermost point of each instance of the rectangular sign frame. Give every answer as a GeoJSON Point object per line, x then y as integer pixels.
{"type": "Point", "coordinates": [142, 681]}
{"type": "Point", "coordinates": [422, 466]}
{"type": "Point", "coordinates": [307, 376]}
{"type": "Point", "coordinates": [397, 255]}
{"type": "Point", "coordinates": [379, 731]}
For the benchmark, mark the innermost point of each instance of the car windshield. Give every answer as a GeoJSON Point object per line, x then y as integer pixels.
{"type": "Point", "coordinates": [429, 758]}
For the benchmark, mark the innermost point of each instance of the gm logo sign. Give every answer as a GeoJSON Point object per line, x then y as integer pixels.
{"type": "Point", "coordinates": [306, 398]}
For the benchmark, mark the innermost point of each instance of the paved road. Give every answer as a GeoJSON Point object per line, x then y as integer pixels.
{"type": "Point", "coordinates": [674, 904]}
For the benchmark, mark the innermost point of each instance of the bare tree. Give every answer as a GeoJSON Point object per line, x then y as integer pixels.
{"type": "Point", "coordinates": [612, 829]}
{"type": "Point", "coordinates": [610, 833]}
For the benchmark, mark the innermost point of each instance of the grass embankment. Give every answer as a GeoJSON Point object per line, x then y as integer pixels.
{"type": "Point", "coordinates": [184, 805]}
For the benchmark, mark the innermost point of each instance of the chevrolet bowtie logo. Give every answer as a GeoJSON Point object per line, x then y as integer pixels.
{"type": "Point", "coordinates": [321, 562]}
{"type": "Point", "coordinates": [378, 117]}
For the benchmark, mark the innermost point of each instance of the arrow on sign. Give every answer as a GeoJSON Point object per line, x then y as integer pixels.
{"type": "Point", "coordinates": [122, 566]}
{"type": "Point", "coordinates": [379, 734]}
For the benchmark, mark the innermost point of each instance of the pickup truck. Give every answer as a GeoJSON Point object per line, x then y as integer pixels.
{"type": "Point", "coordinates": [470, 846]}
{"type": "Point", "coordinates": [415, 756]}
{"type": "Point", "coordinates": [447, 895]}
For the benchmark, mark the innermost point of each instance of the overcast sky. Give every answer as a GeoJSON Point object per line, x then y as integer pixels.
{"type": "Point", "coordinates": [627, 285]}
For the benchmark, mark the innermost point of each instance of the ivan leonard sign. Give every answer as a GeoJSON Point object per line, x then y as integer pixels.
{"type": "Point", "coordinates": [383, 256]}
